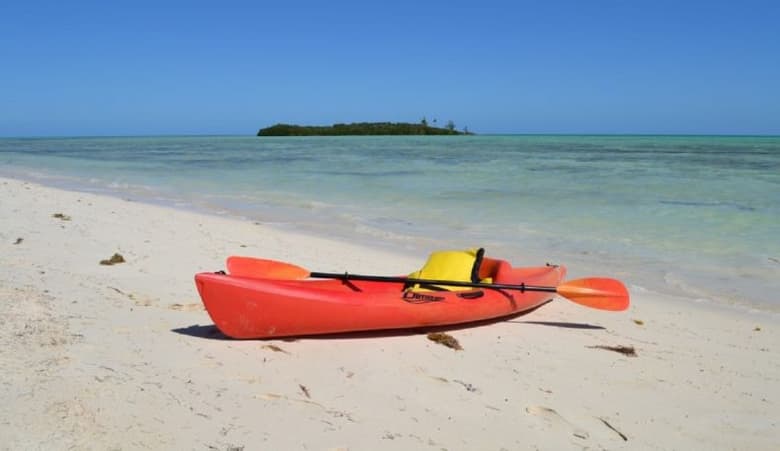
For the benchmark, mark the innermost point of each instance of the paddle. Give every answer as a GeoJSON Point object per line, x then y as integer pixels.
{"type": "Point", "coordinates": [595, 292]}
{"type": "Point", "coordinates": [270, 269]}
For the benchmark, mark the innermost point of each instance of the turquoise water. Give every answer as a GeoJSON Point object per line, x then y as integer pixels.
{"type": "Point", "coordinates": [695, 216]}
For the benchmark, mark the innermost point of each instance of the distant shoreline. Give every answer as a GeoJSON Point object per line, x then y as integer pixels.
{"type": "Point", "coordinates": [361, 129]}
{"type": "Point", "coordinates": [527, 134]}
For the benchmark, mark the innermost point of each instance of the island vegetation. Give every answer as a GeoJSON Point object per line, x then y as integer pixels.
{"type": "Point", "coordinates": [363, 128]}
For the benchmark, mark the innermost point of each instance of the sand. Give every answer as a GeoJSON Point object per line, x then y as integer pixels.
{"type": "Point", "coordinates": [123, 356]}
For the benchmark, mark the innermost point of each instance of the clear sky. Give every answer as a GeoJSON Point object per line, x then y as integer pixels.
{"type": "Point", "coordinates": [230, 67]}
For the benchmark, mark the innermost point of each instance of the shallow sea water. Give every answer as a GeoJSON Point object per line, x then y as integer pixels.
{"type": "Point", "coordinates": [695, 216]}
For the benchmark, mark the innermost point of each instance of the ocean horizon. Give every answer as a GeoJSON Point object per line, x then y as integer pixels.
{"type": "Point", "coordinates": [475, 134]}
{"type": "Point", "coordinates": [690, 215]}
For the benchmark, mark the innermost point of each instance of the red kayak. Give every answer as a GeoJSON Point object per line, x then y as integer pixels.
{"type": "Point", "coordinates": [268, 299]}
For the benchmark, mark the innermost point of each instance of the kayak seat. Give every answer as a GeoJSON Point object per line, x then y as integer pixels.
{"type": "Point", "coordinates": [458, 265]}
{"type": "Point", "coordinates": [493, 269]}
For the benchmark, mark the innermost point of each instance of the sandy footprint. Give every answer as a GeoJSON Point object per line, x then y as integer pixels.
{"type": "Point", "coordinates": [186, 307]}
{"type": "Point", "coordinates": [145, 302]}
{"type": "Point", "coordinates": [556, 420]}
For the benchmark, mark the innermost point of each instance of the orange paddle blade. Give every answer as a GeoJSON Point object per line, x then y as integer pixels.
{"type": "Point", "coordinates": [596, 292]}
{"type": "Point", "coordinates": [263, 268]}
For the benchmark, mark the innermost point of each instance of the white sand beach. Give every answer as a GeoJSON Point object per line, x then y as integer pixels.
{"type": "Point", "coordinates": [124, 356]}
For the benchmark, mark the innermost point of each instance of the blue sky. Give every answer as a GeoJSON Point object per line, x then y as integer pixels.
{"type": "Point", "coordinates": [231, 67]}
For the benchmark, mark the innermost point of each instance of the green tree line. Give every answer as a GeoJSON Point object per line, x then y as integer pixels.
{"type": "Point", "coordinates": [360, 128]}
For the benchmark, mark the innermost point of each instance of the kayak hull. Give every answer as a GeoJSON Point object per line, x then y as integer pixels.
{"type": "Point", "coordinates": [254, 307]}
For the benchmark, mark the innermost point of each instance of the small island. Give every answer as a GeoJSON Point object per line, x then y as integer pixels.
{"type": "Point", "coordinates": [362, 128]}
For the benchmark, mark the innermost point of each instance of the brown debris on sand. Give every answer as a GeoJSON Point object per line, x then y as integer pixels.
{"type": "Point", "coordinates": [445, 339]}
{"type": "Point", "coordinates": [469, 387]}
{"type": "Point", "coordinates": [304, 390]}
{"type": "Point", "coordinates": [116, 258]}
{"type": "Point", "coordinates": [19, 241]}
{"type": "Point", "coordinates": [190, 307]}
{"type": "Point", "coordinates": [625, 350]}
{"type": "Point", "coordinates": [606, 423]}
{"type": "Point", "coordinates": [62, 216]}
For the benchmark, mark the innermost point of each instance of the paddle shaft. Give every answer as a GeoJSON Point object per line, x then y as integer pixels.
{"type": "Point", "coordinates": [496, 286]}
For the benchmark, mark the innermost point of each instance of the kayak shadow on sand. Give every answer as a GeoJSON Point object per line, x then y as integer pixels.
{"type": "Point", "coordinates": [562, 325]}
{"type": "Point", "coordinates": [211, 332]}
{"type": "Point", "coordinates": [200, 331]}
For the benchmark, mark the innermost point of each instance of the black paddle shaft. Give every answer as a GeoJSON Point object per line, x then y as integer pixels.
{"type": "Point", "coordinates": [496, 286]}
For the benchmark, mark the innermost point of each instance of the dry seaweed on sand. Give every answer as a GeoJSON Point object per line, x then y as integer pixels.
{"type": "Point", "coordinates": [639, 322]}
{"type": "Point", "coordinates": [275, 348]}
{"type": "Point", "coordinates": [445, 339]}
{"type": "Point", "coordinates": [19, 241]}
{"type": "Point", "coordinates": [625, 350]}
{"type": "Point", "coordinates": [469, 387]}
{"type": "Point", "coordinates": [606, 423]}
{"type": "Point", "coordinates": [62, 216]}
{"type": "Point", "coordinates": [304, 390]}
{"type": "Point", "coordinates": [116, 258]}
